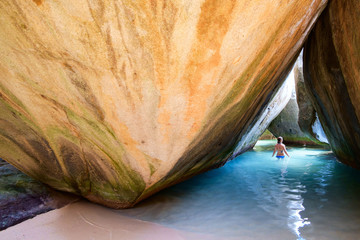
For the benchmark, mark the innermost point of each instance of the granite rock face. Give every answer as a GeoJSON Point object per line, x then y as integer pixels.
{"type": "Point", "coordinates": [286, 125]}
{"type": "Point", "coordinates": [307, 113]}
{"type": "Point", "coordinates": [275, 106]}
{"type": "Point", "coordinates": [308, 120]}
{"type": "Point", "coordinates": [332, 77]}
{"type": "Point", "coordinates": [115, 100]}
{"type": "Point", "coordinates": [298, 123]}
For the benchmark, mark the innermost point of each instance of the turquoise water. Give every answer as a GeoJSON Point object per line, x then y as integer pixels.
{"type": "Point", "coordinates": [307, 196]}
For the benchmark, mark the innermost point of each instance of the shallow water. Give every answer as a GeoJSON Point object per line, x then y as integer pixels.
{"type": "Point", "coordinates": [309, 196]}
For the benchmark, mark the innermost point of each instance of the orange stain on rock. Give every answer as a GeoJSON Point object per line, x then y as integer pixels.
{"type": "Point", "coordinates": [38, 2]}
{"type": "Point", "coordinates": [211, 30]}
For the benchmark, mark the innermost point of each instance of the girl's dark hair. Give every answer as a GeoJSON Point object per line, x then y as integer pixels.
{"type": "Point", "coordinates": [279, 139]}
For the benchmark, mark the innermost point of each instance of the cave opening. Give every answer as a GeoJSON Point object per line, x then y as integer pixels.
{"type": "Point", "coordinates": [291, 113]}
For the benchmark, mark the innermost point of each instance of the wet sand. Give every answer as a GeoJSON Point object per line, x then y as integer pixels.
{"type": "Point", "coordinates": [85, 220]}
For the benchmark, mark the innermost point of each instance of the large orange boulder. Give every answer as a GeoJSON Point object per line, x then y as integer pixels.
{"type": "Point", "coordinates": [115, 100]}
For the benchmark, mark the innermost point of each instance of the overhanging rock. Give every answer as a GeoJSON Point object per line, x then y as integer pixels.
{"type": "Point", "coordinates": [115, 100]}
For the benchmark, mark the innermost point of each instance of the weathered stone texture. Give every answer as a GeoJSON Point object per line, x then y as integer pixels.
{"type": "Point", "coordinates": [265, 117]}
{"type": "Point", "coordinates": [307, 113]}
{"type": "Point", "coordinates": [332, 76]}
{"type": "Point", "coordinates": [296, 121]}
{"type": "Point", "coordinates": [114, 100]}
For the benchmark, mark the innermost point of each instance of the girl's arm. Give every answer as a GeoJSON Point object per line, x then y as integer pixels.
{"type": "Point", "coordinates": [274, 152]}
{"type": "Point", "coordinates": [286, 151]}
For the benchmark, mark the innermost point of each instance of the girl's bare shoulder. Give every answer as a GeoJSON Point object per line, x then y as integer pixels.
{"type": "Point", "coordinates": [278, 145]}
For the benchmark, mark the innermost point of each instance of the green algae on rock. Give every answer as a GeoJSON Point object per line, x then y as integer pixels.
{"type": "Point", "coordinates": [297, 121]}
{"type": "Point", "coordinates": [275, 105]}
{"type": "Point", "coordinates": [115, 100]}
{"type": "Point", "coordinates": [332, 77]}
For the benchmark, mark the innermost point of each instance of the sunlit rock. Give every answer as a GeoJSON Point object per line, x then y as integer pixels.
{"type": "Point", "coordinates": [115, 100]}
{"type": "Point", "coordinates": [265, 117]}
{"type": "Point", "coordinates": [298, 123]}
{"type": "Point", "coordinates": [332, 76]}
{"type": "Point", "coordinates": [308, 119]}
{"type": "Point", "coordinates": [318, 131]}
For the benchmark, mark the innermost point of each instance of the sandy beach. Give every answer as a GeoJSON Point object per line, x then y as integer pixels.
{"type": "Point", "coordinates": [85, 220]}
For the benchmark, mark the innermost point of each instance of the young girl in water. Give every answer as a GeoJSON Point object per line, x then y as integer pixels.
{"type": "Point", "coordinates": [280, 148]}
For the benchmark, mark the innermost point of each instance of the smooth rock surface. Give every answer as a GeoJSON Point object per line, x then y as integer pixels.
{"type": "Point", "coordinates": [286, 125]}
{"type": "Point", "coordinates": [332, 77]}
{"type": "Point", "coordinates": [308, 119]}
{"type": "Point", "coordinates": [275, 106]}
{"type": "Point", "coordinates": [295, 122]}
{"type": "Point", "coordinates": [307, 113]}
{"type": "Point", "coordinates": [267, 135]}
{"type": "Point", "coordinates": [115, 100]}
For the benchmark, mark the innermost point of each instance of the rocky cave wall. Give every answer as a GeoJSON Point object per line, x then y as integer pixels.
{"type": "Point", "coordinates": [115, 100]}
{"type": "Point", "coordinates": [332, 77]}
{"type": "Point", "coordinates": [298, 123]}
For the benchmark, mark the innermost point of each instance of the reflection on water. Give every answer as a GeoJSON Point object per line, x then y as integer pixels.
{"type": "Point", "coordinates": [293, 191]}
{"type": "Point", "coordinates": [259, 197]}
{"type": "Point", "coordinates": [279, 195]}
